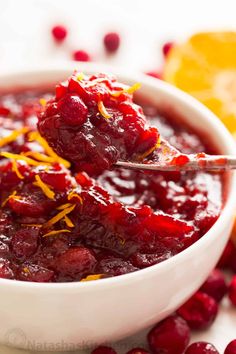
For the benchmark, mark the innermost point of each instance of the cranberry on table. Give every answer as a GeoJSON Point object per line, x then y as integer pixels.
{"type": "Point", "coordinates": [166, 48]}
{"type": "Point", "coordinates": [137, 351]}
{"type": "Point", "coordinates": [232, 290]}
{"type": "Point", "coordinates": [111, 41]}
{"type": "Point", "coordinates": [103, 350]}
{"type": "Point", "coordinates": [201, 348]}
{"type": "Point", "coordinates": [215, 285]}
{"type": "Point", "coordinates": [81, 55]}
{"type": "Point", "coordinates": [199, 311]}
{"type": "Point", "coordinates": [228, 255]}
{"type": "Point", "coordinates": [170, 336]}
{"type": "Point", "coordinates": [59, 33]}
{"type": "Point", "coordinates": [231, 347]}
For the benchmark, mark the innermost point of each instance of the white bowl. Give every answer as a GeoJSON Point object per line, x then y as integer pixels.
{"type": "Point", "coordinates": [72, 315]}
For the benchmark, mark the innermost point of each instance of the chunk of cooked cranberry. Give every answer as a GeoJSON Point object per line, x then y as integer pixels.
{"type": "Point", "coordinates": [170, 336]}
{"type": "Point", "coordinates": [5, 269]}
{"type": "Point", "coordinates": [31, 202]}
{"type": "Point", "coordinates": [73, 110]}
{"type": "Point", "coordinates": [199, 311]}
{"type": "Point", "coordinates": [215, 285]}
{"type": "Point", "coordinates": [114, 266]}
{"type": "Point", "coordinates": [34, 273]}
{"type": "Point", "coordinates": [201, 348]}
{"type": "Point", "coordinates": [24, 242]}
{"type": "Point", "coordinates": [75, 263]}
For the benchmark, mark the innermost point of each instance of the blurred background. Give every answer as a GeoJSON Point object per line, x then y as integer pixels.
{"type": "Point", "coordinates": [144, 25]}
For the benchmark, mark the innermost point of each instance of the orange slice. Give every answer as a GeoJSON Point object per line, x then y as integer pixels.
{"type": "Point", "coordinates": [205, 67]}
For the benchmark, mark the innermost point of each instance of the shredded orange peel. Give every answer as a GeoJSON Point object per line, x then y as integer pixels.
{"type": "Point", "coordinates": [102, 110]}
{"type": "Point", "coordinates": [44, 187]}
{"type": "Point", "coordinates": [73, 194]}
{"type": "Point", "coordinates": [149, 151]}
{"type": "Point", "coordinates": [43, 102]}
{"type": "Point", "coordinates": [59, 216]}
{"type": "Point", "coordinates": [55, 232]}
{"type": "Point", "coordinates": [11, 196]}
{"type": "Point", "coordinates": [13, 136]}
{"type": "Point", "coordinates": [68, 221]}
{"type": "Point", "coordinates": [16, 170]}
{"type": "Point", "coordinates": [130, 90]}
{"type": "Point", "coordinates": [17, 157]}
{"type": "Point", "coordinates": [92, 277]}
{"type": "Point", "coordinates": [35, 136]}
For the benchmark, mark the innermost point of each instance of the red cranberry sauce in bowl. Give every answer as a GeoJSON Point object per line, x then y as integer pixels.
{"type": "Point", "coordinates": [65, 218]}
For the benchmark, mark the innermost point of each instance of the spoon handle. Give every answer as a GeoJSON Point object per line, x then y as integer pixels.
{"type": "Point", "coordinates": [195, 163]}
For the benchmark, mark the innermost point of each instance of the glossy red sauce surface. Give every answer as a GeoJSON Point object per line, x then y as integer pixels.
{"type": "Point", "coordinates": [115, 223]}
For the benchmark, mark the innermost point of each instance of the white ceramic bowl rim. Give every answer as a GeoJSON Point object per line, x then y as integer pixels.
{"type": "Point", "coordinates": [171, 91]}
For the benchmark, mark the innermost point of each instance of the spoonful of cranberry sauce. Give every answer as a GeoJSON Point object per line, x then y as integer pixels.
{"type": "Point", "coordinates": [94, 123]}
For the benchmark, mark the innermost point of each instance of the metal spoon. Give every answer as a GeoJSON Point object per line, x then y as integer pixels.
{"type": "Point", "coordinates": [167, 158]}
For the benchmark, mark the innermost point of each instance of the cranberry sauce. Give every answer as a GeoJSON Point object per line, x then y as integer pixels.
{"type": "Point", "coordinates": [59, 223]}
{"type": "Point", "coordinates": [98, 117]}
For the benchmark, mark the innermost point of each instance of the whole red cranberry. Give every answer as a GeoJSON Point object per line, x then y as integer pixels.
{"type": "Point", "coordinates": [24, 242]}
{"type": "Point", "coordinates": [73, 110]}
{"type": "Point", "coordinates": [201, 348]}
{"type": "Point", "coordinates": [75, 262]}
{"type": "Point", "coordinates": [215, 285]}
{"type": "Point", "coordinates": [5, 269]}
{"type": "Point", "coordinates": [167, 47]}
{"type": "Point", "coordinates": [170, 336]}
{"type": "Point", "coordinates": [81, 55]}
{"type": "Point", "coordinates": [111, 41]}
{"type": "Point", "coordinates": [232, 290]}
{"type": "Point", "coordinates": [228, 254]}
{"type": "Point", "coordinates": [103, 350]}
{"type": "Point", "coordinates": [199, 311]}
{"type": "Point", "coordinates": [137, 351]}
{"type": "Point", "coordinates": [59, 33]}
{"type": "Point", "coordinates": [231, 347]}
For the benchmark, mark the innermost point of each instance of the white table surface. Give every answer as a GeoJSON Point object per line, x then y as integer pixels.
{"type": "Point", "coordinates": [144, 25]}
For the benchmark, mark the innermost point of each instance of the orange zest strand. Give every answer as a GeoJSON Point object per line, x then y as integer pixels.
{"type": "Point", "coordinates": [16, 170]}
{"type": "Point", "coordinates": [38, 156]}
{"type": "Point", "coordinates": [73, 194]}
{"type": "Point", "coordinates": [55, 232]}
{"type": "Point", "coordinates": [59, 216]}
{"type": "Point", "coordinates": [130, 90]}
{"type": "Point", "coordinates": [43, 102]}
{"type": "Point", "coordinates": [37, 137]}
{"type": "Point", "coordinates": [68, 221]}
{"type": "Point", "coordinates": [92, 277]}
{"type": "Point", "coordinates": [103, 111]}
{"type": "Point", "coordinates": [11, 196]}
{"type": "Point", "coordinates": [45, 188]}
{"type": "Point", "coordinates": [16, 157]}
{"type": "Point", "coordinates": [80, 76]}
{"type": "Point", "coordinates": [13, 136]}
{"type": "Point", "coordinates": [64, 206]}
{"type": "Point", "coordinates": [149, 151]}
